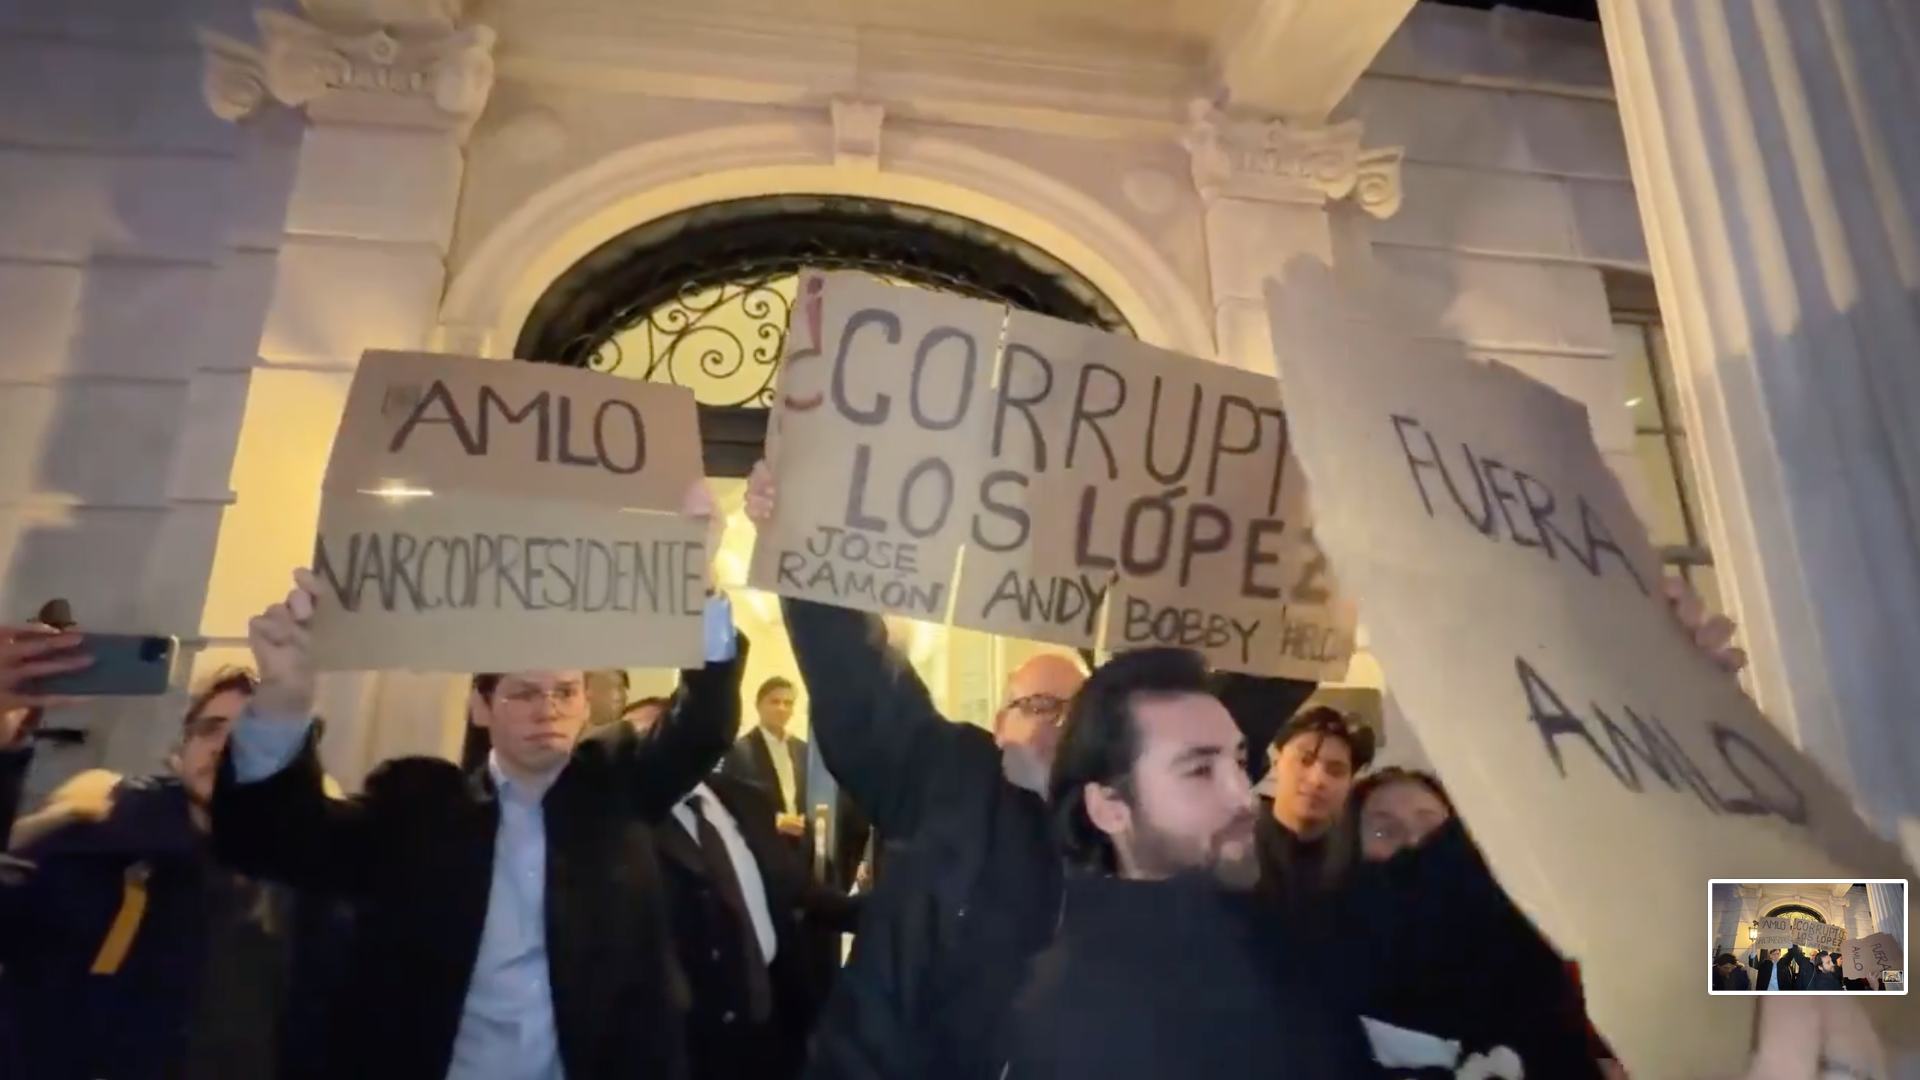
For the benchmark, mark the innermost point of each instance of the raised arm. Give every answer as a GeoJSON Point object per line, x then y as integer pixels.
{"type": "Point", "coordinates": [876, 725]}
{"type": "Point", "coordinates": [271, 814]}
{"type": "Point", "coordinates": [662, 765]}
{"type": "Point", "coordinates": [1260, 706]}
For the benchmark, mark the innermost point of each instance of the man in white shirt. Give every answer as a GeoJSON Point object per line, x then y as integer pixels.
{"type": "Point", "coordinates": [746, 922]}
{"type": "Point", "coordinates": [773, 761]}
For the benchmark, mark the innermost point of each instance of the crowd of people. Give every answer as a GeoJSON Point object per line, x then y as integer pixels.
{"type": "Point", "coordinates": [610, 889]}
{"type": "Point", "coordinates": [1784, 969]}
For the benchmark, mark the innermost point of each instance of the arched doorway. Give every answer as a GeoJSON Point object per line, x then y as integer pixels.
{"type": "Point", "coordinates": [700, 298]}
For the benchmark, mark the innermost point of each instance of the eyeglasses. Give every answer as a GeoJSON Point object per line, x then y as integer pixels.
{"type": "Point", "coordinates": [531, 696]}
{"type": "Point", "coordinates": [1045, 706]}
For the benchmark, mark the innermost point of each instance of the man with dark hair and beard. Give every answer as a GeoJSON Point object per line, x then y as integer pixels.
{"type": "Point", "coordinates": [973, 884]}
{"type": "Point", "coordinates": [1162, 962]}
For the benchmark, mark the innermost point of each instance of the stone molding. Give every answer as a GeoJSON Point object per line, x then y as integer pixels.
{"type": "Point", "coordinates": [856, 133]}
{"type": "Point", "coordinates": [1268, 159]}
{"type": "Point", "coordinates": [369, 61]}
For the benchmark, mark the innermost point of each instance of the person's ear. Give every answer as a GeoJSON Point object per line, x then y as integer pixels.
{"type": "Point", "coordinates": [1107, 810]}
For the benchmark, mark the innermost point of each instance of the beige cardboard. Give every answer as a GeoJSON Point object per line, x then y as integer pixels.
{"type": "Point", "coordinates": [1055, 431]}
{"type": "Point", "coordinates": [1776, 933]}
{"type": "Point", "coordinates": [1867, 957]}
{"type": "Point", "coordinates": [436, 451]}
{"type": "Point", "coordinates": [1511, 663]}
{"type": "Point", "coordinates": [420, 420]}
{"type": "Point", "coordinates": [868, 456]}
{"type": "Point", "coordinates": [1188, 492]}
{"type": "Point", "coordinates": [430, 584]}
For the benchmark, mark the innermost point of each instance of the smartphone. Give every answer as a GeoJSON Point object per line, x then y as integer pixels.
{"type": "Point", "coordinates": [124, 665]}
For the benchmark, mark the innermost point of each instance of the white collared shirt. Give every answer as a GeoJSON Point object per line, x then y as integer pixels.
{"type": "Point", "coordinates": [745, 868]}
{"type": "Point", "coordinates": [782, 756]}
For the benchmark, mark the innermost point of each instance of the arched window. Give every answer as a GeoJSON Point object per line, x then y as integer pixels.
{"type": "Point", "coordinates": [700, 298]}
{"type": "Point", "coordinates": [1796, 911]}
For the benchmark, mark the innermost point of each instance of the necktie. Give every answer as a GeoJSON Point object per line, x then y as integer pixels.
{"type": "Point", "coordinates": [713, 852]}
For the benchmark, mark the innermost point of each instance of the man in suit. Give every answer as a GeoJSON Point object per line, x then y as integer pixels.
{"type": "Point", "coordinates": [775, 762]}
{"type": "Point", "coordinates": [510, 923]}
{"type": "Point", "coordinates": [743, 913]}
{"type": "Point", "coordinates": [1767, 964]}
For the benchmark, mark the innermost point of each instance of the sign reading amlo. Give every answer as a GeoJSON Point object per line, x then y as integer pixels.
{"type": "Point", "coordinates": [481, 515]}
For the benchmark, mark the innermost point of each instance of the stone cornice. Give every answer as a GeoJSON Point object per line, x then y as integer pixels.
{"type": "Point", "coordinates": [1269, 159]}
{"type": "Point", "coordinates": [342, 64]}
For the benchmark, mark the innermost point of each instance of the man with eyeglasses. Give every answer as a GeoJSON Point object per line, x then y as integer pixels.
{"type": "Point", "coordinates": [510, 923]}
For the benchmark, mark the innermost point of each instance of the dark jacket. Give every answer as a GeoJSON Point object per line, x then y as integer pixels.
{"type": "Point", "coordinates": [1488, 979]}
{"type": "Point", "coordinates": [1295, 871]}
{"type": "Point", "coordinates": [1736, 979]}
{"type": "Point", "coordinates": [1155, 979]}
{"type": "Point", "coordinates": [206, 984]}
{"type": "Point", "coordinates": [973, 881]}
{"type": "Point", "coordinates": [752, 761]}
{"type": "Point", "coordinates": [721, 1043]}
{"type": "Point", "coordinates": [415, 852]}
{"type": "Point", "coordinates": [1811, 977]}
{"type": "Point", "coordinates": [1764, 967]}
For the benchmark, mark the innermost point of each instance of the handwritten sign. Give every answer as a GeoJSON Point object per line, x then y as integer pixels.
{"type": "Point", "coordinates": [1513, 600]}
{"type": "Point", "coordinates": [1870, 956]}
{"type": "Point", "coordinates": [483, 516]}
{"type": "Point", "coordinates": [1778, 933]}
{"type": "Point", "coordinates": [945, 458]}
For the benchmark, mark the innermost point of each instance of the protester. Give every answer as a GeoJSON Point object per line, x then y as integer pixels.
{"type": "Point", "coordinates": [1161, 961]}
{"type": "Point", "coordinates": [1490, 979]}
{"type": "Point", "coordinates": [1729, 975]}
{"type": "Point", "coordinates": [972, 888]}
{"type": "Point", "coordinates": [129, 952]}
{"type": "Point", "coordinates": [607, 696]}
{"type": "Point", "coordinates": [1773, 974]}
{"type": "Point", "coordinates": [1317, 755]}
{"type": "Point", "coordinates": [746, 922]}
{"type": "Point", "coordinates": [510, 923]}
{"type": "Point", "coordinates": [1813, 973]}
{"type": "Point", "coordinates": [768, 758]}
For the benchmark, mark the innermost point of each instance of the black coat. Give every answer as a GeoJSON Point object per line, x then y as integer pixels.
{"type": "Point", "coordinates": [415, 852]}
{"type": "Point", "coordinates": [216, 979]}
{"type": "Point", "coordinates": [973, 882]}
{"type": "Point", "coordinates": [752, 761]}
{"type": "Point", "coordinates": [1488, 979]}
{"type": "Point", "coordinates": [1811, 977]}
{"type": "Point", "coordinates": [721, 1043]}
{"type": "Point", "coordinates": [1177, 978]}
{"type": "Point", "coordinates": [1764, 967]}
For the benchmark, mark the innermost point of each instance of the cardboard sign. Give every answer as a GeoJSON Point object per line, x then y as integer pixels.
{"type": "Point", "coordinates": [1868, 957]}
{"type": "Point", "coordinates": [944, 458]}
{"type": "Point", "coordinates": [482, 515]}
{"type": "Point", "coordinates": [1777, 933]}
{"type": "Point", "coordinates": [1601, 760]}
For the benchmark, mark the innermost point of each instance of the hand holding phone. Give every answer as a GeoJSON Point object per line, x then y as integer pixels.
{"type": "Point", "coordinates": [29, 653]}
{"type": "Point", "coordinates": [116, 665]}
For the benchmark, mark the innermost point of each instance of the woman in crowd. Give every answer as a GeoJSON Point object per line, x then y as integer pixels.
{"type": "Point", "coordinates": [1475, 969]}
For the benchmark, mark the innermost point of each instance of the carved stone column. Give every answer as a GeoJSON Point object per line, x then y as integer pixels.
{"type": "Point", "coordinates": [1267, 186]}
{"type": "Point", "coordinates": [385, 93]}
{"type": "Point", "coordinates": [1777, 167]}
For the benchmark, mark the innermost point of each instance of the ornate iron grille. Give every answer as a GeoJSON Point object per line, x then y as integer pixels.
{"type": "Point", "coordinates": [700, 298]}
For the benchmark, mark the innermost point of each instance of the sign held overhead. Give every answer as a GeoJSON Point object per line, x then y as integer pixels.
{"type": "Point", "coordinates": [482, 515]}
